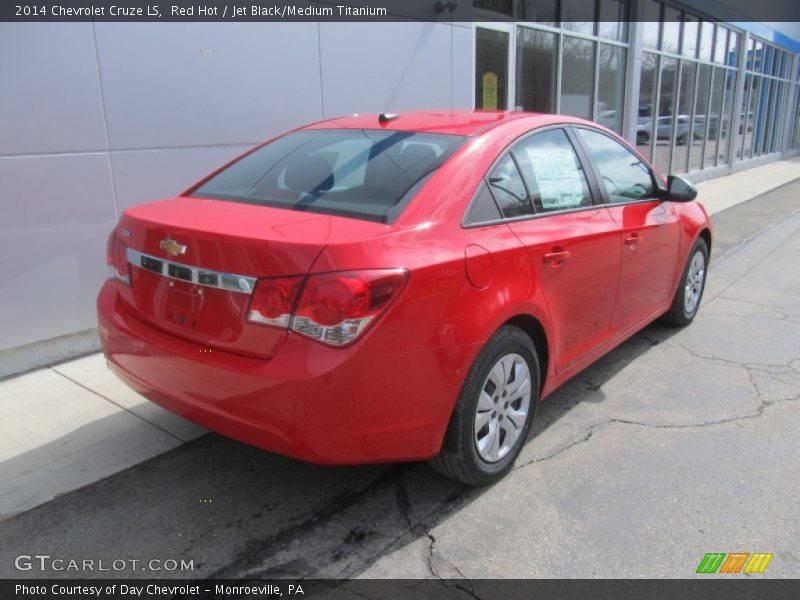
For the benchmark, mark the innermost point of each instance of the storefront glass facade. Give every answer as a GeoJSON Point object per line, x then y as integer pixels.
{"type": "Point", "coordinates": [693, 94]}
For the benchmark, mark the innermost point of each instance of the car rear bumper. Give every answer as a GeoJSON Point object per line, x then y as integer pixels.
{"type": "Point", "coordinates": [318, 404]}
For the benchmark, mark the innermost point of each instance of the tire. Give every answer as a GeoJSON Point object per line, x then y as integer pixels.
{"type": "Point", "coordinates": [683, 311]}
{"type": "Point", "coordinates": [482, 457]}
{"type": "Point", "coordinates": [642, 138]}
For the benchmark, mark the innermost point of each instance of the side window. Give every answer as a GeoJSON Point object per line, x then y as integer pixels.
{"type": "Point", "coordinates": [509, 190]}
{"type": "Point", "coordinates": [483, 207]}
{"type": "Point", "coordinates": [624, 175]}
{"type": "Point", "coordinates": [553, 172]}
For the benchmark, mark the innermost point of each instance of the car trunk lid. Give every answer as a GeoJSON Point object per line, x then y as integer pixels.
{"type": "Point", "coordinates": [194, 263]}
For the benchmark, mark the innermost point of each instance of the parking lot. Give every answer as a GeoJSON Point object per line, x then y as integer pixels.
{"type": "Point", "coordinates": [678, 443]}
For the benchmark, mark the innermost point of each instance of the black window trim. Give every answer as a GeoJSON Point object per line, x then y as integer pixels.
{"type": "Point", "coordinates": [658, 188]}
{"type": "Point", "coordinates": [595, 190]}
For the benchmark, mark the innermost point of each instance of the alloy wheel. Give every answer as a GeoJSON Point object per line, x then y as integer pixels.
{"type": "Point", "coordinates": [502, 409]}
{"type": "Point", "coordinates": [694, 282]}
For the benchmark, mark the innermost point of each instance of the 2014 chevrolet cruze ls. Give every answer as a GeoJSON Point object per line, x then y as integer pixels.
{"type": "Point", "coordinates": [399, 287]}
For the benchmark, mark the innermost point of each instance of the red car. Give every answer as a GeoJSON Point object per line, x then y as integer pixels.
{"type": "Point", "coordinates": [383, 288]}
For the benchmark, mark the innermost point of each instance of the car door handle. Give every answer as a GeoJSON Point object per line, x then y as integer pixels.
{"type": "Point", "coordinates": [633, 240]}
{"type": "Point", "coordinates": [557, 257]}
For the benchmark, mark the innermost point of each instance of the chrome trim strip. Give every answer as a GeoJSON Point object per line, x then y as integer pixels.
{"type": "Point", "coordinates": [224, 281]}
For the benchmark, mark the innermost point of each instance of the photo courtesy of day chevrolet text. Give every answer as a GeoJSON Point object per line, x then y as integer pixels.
{"type": "Point", "coordinates": [152, 590]}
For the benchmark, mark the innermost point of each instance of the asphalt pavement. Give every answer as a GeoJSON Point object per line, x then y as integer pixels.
{"type": "Point", "coordinates": [678, 443]}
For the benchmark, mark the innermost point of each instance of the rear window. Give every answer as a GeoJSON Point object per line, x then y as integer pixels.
{"type": "Point", "coordinates": [362, 173]}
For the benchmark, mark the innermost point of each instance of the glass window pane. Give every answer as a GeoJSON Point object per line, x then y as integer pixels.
{"type": "Point", "coordinates": [728, 118]}
{"type": "Point", "coordinates": [777, 65]}
{"type": "Point", "coordinates": [751, 55]}
{"type": "Point", "coordinates": [491, 69]}
{"type": "Point", "coordinates": [483, 207]}
{"type": "Point", "coordinates": [745, 124]}
{"type": "Point", "coordinates": [508, 189]}
{"type": "Point", "coordinates": [691, 29]}
{"type": "Point", "coordinates": [544, 12]}
{"type": "Point", "coordinates": [758, 57]}
{"type": "Point", "coordinates": [613, 20]}
{"type": "Point", "coordinates": [706, 40]}
{"type": "Point", "coordinates": [753, 117]}
{"type": "Point", "coordinates": [651, 18]}
{"type": "Point", "coordinates": [671, 30]}
{"type": "Point", "coordinates": [536, 70]}
{"type": "Point", "coordinates": [647, 99]}
{"type": "Point", "coordinates": [714, 110]}
{"type": "Point", "coordinates": [666, 113]}
{"type": "Point", "coordinates": [578, 16]}
{"type": "Point", "coordinates": [700, 116]}
{"type": "Point", "coordinates": [796, 137]}
{"type": "Point", "coordinates": [687, 131]}
{"type": "Point", "coordinates": [625, 177]}
{"type": "Point", "coordinates": [499, 6]}
{"type": "Point", "coordinates": [762, 112]}
{"type": "Point", "coordinates": [733, 45]}
{"type": "Point", "coordinates": [611, 86]}
{"type": "Point", "coordinates": [720, 45]}
{"type": "Point", "coordinates": [767, 62]}
{"type": "Point", "coordinates": [770, 130]}
{"type": "Point", "coordinates": [553, 172]}
{"type": "Point", "coordinates": [778, 125]}
{"type": "Point", "coordinates": [577, 75]}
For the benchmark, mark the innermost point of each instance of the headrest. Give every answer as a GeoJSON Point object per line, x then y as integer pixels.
{"type": "Point", "coordinates": [417, 157]}
{"type": "Point", "coordinates": [309, 174]}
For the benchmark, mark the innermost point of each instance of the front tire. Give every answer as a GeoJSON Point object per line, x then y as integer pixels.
{"type": "Point", "coordinates": [690, 290]}
{"type": "Point", "coordinates": [494, 411]}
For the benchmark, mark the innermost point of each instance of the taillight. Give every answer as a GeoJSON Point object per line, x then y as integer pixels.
{"type": "Point", "coordinates": [334, 308]}
{"type": "Point", "coordinates": [273, 301]}
{"type": "Point", "coordinates": [117, 259]}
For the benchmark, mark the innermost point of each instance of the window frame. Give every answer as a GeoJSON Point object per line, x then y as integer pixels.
{"type": "Point", "coordinates": [658, 186]}
{"type": "Point", "coordinates": [595, 190]}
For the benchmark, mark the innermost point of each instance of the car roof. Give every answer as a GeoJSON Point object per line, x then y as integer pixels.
{"type": "Point", "coordinates": [454, 122]}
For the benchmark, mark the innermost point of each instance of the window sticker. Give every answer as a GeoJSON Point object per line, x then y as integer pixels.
{"type": "Point", "coordinates": [558, 177]}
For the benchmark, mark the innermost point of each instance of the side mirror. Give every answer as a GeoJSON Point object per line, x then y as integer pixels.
{"type": "Point", "coordinates": [680, 190]}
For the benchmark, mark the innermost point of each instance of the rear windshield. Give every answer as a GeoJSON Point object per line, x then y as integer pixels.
{"type": "Point", "coordinates": [360, 173]}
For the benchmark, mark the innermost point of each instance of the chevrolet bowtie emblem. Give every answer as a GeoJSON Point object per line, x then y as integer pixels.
{"type": "Point", "coordinates": [172, 247]}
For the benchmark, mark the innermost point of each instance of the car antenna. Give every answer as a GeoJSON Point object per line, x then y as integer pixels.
{"type": "Point", "coordinates": [386, 117]}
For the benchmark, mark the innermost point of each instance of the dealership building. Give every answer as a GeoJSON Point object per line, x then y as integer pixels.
{"type": "Point", "coordinates": [99, 116]}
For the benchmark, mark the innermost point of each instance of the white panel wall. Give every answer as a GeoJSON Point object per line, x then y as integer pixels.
{"type": "Point", "coordinates": [49, 90]}
{"type": "Point", "coordinates": [173, 84]}
{"type": "Point", "coordinates": [394, 66]}
{"type": "Point", "coordinates": [97, 118]}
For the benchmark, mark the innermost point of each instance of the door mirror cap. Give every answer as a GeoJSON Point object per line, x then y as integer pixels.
{"type": "Point", "coordinates": [680, 190]}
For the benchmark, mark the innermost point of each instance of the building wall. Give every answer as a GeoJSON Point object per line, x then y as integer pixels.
{"type": "Point", "coordinates": [95, 118]}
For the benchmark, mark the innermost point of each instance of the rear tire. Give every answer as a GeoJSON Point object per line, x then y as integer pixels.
{"type": "Point", "coordinates": [690, 289]}
{"type": "Point", "coordinates": [494, 411]}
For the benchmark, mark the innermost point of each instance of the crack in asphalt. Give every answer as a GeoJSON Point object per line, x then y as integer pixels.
{"type": "Point", "coordinates": [424, 529]}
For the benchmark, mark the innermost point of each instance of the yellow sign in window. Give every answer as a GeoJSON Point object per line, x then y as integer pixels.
{"type": "Point", "coordinates": [489, 91]}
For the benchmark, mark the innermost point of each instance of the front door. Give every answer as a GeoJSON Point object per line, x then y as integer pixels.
{"type": "Point", "coordinates": [649, 229]}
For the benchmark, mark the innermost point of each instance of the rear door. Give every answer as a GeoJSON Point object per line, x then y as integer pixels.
{"type": "Point", "coordinates": [649, 228]}
{"type": "Point", "coordinates": [572, 242]}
